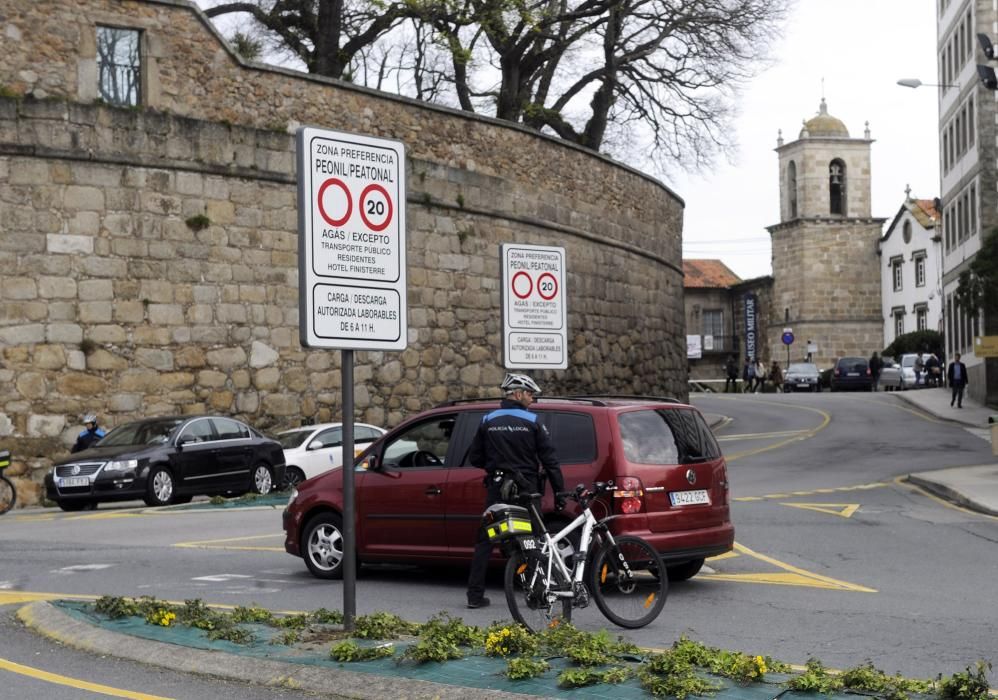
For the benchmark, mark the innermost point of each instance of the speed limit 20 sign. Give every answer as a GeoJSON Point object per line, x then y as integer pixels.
{"type": "Point", "coordinates": [351, 252]}
{"type": "Point", "coordinates": [535, 328]}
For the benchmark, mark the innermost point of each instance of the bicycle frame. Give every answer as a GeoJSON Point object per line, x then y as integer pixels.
{"type": "Point", "coordinates": [549, 549]}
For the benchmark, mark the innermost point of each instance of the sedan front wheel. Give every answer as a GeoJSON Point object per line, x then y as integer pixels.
{"type": "Point", "coordinates": [159, 488]}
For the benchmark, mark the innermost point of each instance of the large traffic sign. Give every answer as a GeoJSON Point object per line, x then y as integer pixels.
{"type": "Point", "coordinates": [535, 327]}
{"type": "Point", "coordinates": [351, 241]}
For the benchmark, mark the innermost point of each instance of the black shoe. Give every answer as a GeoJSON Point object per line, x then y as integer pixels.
{"type": "Point", "coordinates": [480, 603]}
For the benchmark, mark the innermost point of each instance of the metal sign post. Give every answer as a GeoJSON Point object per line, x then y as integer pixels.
{"type": "Point", "coordinates": [788, 340]}
{"type": "Point", "coordinates": [351, 272]}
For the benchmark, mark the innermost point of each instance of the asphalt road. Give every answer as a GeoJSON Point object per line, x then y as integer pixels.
{"type": "Point", "coordinates": [836, 559]}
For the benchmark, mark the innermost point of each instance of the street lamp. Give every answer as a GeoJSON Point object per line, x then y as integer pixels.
{"type": "Point", "coordinates": [915, 82]}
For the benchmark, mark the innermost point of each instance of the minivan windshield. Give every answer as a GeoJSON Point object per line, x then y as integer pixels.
{"type": "Point", "coordinates": [141, 433]}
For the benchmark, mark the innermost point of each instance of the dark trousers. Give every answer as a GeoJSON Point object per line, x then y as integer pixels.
{"type": "Point", "coordinates": [732, 382]}
{"type": "Point", "coordinates": [957, 395]}
{"type": "Point", "coordinates": [483, 548]}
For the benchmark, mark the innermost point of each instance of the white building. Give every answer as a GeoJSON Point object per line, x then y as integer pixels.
{"type": "Point", "coordinates": [911, 275]}
{"type": "Point", "coordinates": [968, 169]}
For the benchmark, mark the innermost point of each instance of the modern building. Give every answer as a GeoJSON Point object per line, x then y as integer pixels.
{"type": "Point", "coordinates": [910, 273]}
{"type": "Point", "coordinates": [968, 167]}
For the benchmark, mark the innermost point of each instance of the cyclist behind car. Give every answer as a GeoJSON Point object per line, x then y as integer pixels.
{"type": "Point", "coordinates": [510, 440]}
{"type": "Point", "coordinates": [90, 434]}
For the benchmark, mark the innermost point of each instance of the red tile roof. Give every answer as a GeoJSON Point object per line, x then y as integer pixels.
{"type": "Point", "coordinates": [927, 208]}
{"type": "Point", "coordinates": [708, 274]}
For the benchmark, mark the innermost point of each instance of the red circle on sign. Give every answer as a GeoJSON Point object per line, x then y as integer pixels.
{"type": "Point", "coordinates": [388, 201]}
{"type": "Point", "coordinates": [554, 285]}
{"type": "Point", "coordinates": [530, 284]}
{"type": "Point", "coordinates": [322, 210]}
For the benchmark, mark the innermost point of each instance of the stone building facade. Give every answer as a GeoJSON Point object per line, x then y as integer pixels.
{"type": "Point", "coordinates": [826, 276]}
{"type": "Point", "coordinates": [150, 253]}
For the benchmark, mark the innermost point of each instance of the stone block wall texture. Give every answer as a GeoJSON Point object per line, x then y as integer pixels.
{"type": "Point", "coordinates": [150, 254]}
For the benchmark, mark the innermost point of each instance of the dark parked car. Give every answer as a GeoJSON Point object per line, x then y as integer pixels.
{"type": "Point", "coordinates": [418, 499]}
{"type": "Point", "coordinates": [852, 373]}
{"type": "Point", "coordinates": [802, 376]}
{"type": "Point", "coordinates": [168, 460]}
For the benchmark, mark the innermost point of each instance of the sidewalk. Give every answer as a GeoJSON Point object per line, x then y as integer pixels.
{"type": "Point", "coordinates": [973, 487]}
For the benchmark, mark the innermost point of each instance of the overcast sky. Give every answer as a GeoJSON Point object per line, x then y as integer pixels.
{"type": "Point", "coordinates": [861, 48]}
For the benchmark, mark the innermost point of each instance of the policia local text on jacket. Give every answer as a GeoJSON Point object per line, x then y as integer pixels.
{"type": "Point", "coordinates": [510, 439]}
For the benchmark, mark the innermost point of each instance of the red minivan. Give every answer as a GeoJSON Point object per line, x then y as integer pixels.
{"type": "Point", "coordinates": [419, 501]}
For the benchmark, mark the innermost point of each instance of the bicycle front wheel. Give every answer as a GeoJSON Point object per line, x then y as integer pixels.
{"type": "Point", "coordinates": [529, 602]}
{"type": "Point", "coordinates": [8, 496]}
{"type": "Point", "coordinates": [628, 582]}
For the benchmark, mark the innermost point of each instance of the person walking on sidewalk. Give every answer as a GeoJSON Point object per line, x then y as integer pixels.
{"type": "Point", "coordinates": [510, 439]}
{"type": "Point", "coordinates": [731, 374]}
{"type": "Point", "coordinates": [876, 364]}
{"type": "Point", "coordinates": [956, 374]}
{"type": "Point", "coordinates": [748, 375]}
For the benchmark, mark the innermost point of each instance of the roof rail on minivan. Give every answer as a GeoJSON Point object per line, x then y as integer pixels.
{"type": "Point", "coordinates": [663, 399]}
{"type": "Point", "coordinates": [591, 400]}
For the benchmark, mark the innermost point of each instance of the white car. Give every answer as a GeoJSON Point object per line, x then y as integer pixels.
{"type": "Point", "coordinates": [314, 449]}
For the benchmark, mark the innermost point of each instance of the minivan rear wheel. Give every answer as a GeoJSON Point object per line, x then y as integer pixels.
{"type": "Point", "coordinates": [684, 571]}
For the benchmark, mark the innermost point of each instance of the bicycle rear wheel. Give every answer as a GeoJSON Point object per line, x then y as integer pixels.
{"type": "Point", "coordinates": [628, 582]}
{"type": "Point", "coordinates": [526, 598]}
{"type": "Point", "coordinates": [8, 496]}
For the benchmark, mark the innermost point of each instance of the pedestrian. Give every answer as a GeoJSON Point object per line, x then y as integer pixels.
{"type": "Point", "coordinates": [933, 370]}
{"type": "Point", "coordinates": [956, 374]}
{"type": "Point", "coordinates": [748, 375]}
{"type": "Point", "coordinates": [776, 376]}
{"type": "Point", "coordinates": [510, 439]}
{"type": "Point", "coordinates": [919, 366]}
{"type": "Point", "coordinates": [760, 376]}
{"type": "Point", "coordinates": [731, 374]}
{"type": "Point", "coordinates": [91, 433]}
{"type": "Point", "coordinates": [875, 366]}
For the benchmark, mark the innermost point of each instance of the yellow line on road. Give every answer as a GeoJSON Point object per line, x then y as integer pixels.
{"type": "Point", "coordinates": [857, 487]}
{"type": "Point", "coordinates": [74, 682]}
{"type": "Point", "coordinates": [220, 544]}
{"type": "Point", "coordinates": [760, 436]}
{"type": "Point", "coordinates": [795, 435]}
{"type": "Point", "coordinates": [11, 597]}
{"type": "Point", "coordinates": [793, 577]}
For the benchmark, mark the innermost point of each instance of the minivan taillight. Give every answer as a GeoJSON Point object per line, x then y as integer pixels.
{"type": "Point", "coordinates": [628, 496]}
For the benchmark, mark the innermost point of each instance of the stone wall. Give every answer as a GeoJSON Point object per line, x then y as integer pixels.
{"type": "Point", "coordinates": [150, 254]}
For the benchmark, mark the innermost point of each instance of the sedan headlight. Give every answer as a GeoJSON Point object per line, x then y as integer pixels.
{"type": "Point", "coordinates": [122, 465]}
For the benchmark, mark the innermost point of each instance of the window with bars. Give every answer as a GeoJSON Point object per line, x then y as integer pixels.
{"type": "Point", "coordinates": [898, 323]}
{"type": "Point", "coordinates": [920, 272]}
{"type": "Point", "coordinates": [921, 318]}
{"type": "Point", "coordinates": [896, 275]}
{"type": "Point", "coordinates": [119, 66]}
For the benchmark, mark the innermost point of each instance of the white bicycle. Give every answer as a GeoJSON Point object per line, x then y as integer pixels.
{"type": "Point", "coordinates": [624, 575]}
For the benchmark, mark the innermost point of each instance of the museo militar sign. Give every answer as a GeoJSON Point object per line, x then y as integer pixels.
{"type": "Point", "coordinates": [751, 309]}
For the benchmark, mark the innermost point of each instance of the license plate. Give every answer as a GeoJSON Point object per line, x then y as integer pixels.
{"type": "Point", "coordinates": [74, 481]}
{"type": "Point", "coordinates": [803, 385]}
{"type": "Point", "coordinates": [689, 498]}
{"type": "Point", "coordinates": [853, 374]}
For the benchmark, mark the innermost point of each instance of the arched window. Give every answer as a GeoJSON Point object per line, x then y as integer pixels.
{"type": "Point", "coordinates": [837, 187]}
{"type": "Point", "coordinates": [792, 188]}
{"type": "Point", "coordinates": [906, 232]}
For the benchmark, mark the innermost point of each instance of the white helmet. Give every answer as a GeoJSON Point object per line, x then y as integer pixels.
{"type": "Point", "coordinates": [512, 382]}
{"type": "Point", "coordinates": [90, 418]}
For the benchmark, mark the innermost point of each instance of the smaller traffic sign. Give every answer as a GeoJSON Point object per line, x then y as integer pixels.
{"type": "Point", "coordinates": [788, 336]}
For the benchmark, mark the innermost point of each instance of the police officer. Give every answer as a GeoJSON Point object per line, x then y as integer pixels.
{"type": "Point", "coordinates": [510, 439]}
{"type": "Point", "coordinates": [90, 434]}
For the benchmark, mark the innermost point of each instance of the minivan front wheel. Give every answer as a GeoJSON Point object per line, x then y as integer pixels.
{"type": "Point", "coordinates": [322, 546]}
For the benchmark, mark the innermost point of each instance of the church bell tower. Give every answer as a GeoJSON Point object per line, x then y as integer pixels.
{"type": "Point", "coordinates": [826, 272]}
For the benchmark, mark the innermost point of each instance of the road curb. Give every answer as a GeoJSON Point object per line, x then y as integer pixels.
{"type": "Point", "coordinates": [950, 494]}
{"type": "Point", "coordinates": [47, 620]}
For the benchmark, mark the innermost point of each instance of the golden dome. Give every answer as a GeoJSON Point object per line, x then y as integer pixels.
{"type": "Point", "coordinates": [824, 124]}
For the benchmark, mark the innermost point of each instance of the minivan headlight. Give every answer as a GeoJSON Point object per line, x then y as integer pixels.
{"type": "Point", "coordinates": [293, 496]}
{"type": "Point", "coordinates": [121, 465]}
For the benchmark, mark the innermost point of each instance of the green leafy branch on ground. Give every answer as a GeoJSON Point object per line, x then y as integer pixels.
{"type": "Point", "coordinates": [683, 670]}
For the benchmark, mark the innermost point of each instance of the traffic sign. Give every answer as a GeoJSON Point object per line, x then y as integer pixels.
{"type": "Point", "coordinates": [351, 241]}
{"type": "Point", "coordinates": [788, 336]}
{"type": "Point", "coordinates": [535, 327]}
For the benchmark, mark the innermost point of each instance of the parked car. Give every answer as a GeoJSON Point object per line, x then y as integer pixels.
{"type": "Point", "coordinates": [313, 449]}
{"type": "Point", "coordinates": [908, 371]}
{"type": "Point", "coordinates": [168, 460]}
{"type": "Point", "coordinates": [852, 373]}
{"type": "Point", "coordinates": [802, 376]}
{"type": "Point", "coordinates": [419, 500]}
{"type": "Point", "coordinates": [891, 376]}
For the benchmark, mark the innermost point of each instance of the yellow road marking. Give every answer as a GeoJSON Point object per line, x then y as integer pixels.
{"type": "Point", "coordinates": [11, 597]}
{"type": "Point", "coordinates": [219, 544]}
{"type": "Point", "coordinates": [856, 487]}
{"type": "Point", "coordinates": [74, 682]}
{"type": "Point", "coordinates": [843, 510]}
{"type": "Point", "coordinates": [795, 436]}
{"type": "Point", "coordinates": [759, 436]}
{"type": "Point", "coordinates": [794, 576]}
{"type": "Point", "coordinates": [110, 515]}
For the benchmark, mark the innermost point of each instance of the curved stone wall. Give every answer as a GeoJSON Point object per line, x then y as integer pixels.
{"type": "Point", "coordinates": [150, 255]}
